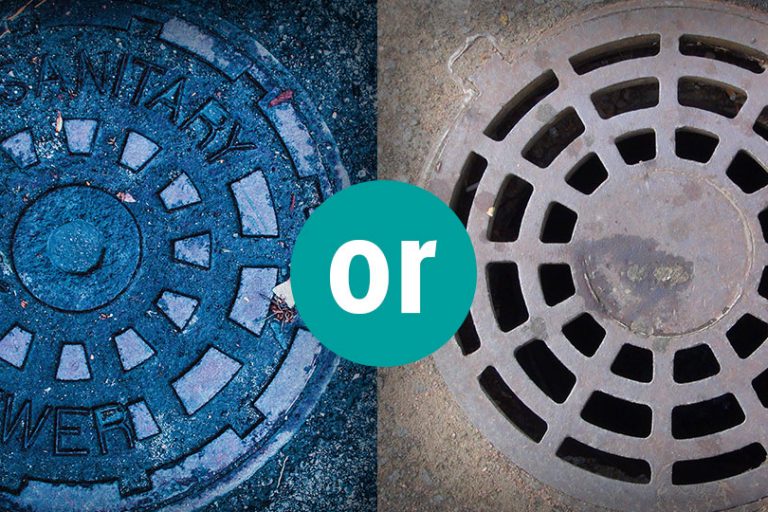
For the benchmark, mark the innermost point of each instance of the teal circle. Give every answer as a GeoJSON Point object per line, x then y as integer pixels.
{"type": "Point", "coordinates": [385, 213]}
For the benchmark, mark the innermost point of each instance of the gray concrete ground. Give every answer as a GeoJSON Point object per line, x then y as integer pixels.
{"type": "Point", "coordinates": [430, 457]}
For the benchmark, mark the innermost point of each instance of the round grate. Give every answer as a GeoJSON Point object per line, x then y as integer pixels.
{"type": "Point", "coordinates": [154, 175]}
{"type": "Point", "coordinates": [612, 180]}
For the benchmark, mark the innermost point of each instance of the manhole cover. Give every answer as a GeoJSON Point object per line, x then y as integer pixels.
{"type": "Point", "coordinates": [156, 169]}
{"type": "Point", "coordinates": [612, 180]}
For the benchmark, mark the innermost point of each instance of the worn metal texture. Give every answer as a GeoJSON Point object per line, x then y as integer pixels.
{"type": "Point", "coordinates": [157, 166]}
{"type": "Point", "coordinates": [611, 180]}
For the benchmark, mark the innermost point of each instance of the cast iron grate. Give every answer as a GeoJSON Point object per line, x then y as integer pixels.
{"type": "Point", "coordinates": [617, 209]}
{"type": "Point", "coordinates": [155, 170]}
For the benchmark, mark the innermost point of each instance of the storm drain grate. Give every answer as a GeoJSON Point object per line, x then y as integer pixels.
{"type": "Point", "coordinates": [155, 170]}
{"type": "Point", "coordinates": [612, 180]}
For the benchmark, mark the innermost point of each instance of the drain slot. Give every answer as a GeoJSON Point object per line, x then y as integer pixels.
{"type": "Point", "coordinates": [699, 471]}
{"type": "Point", "coordinates": [464, 194]}
{"type": "Point", "coordinates": [559, 224]}
{"type": "Point", "coordinates": [585, 334]}
{"type": "Point", "coordinates": [695, 363]}
{"type": "Point", "coordinates": [556, 283]}
{"type": "Point", "coordinates": [747, 334]}
{"type": "Point", "coordinates": [520, 105]}
{"type": "Point", "coordinates": [761, 124]}
{"type": "Point", "coordinates": [467, 337]}
{"type": "Point", "coordinates": [511, 406]}
{"type": "Point", "coordinates": [554, 138]}
{"type": "Point", "coordinates": [634, 363]}
{"type": "Point", "coordinates": [545, 370]}
{"type": "Point", "coordinates": [705, 418]}
{"type": "Point", "coordinates": [724, 51]}
{"type": "Point", "coordinates": [506, 295]}
{"type": "Point", "coordinates": [588, 175]}
{"type": "Point", "coordinates": [762, 217]}
{"type": "Point", "coordinates": [746, 173]}
{"type": "Point", "coordinates": [762, 288]}
{"type": "Point", "coordinates": [616, 51]}
{"type": "Point", "coordinates": [637, 147]}
{"type": "Point", "coordinates": [509, 210]}
{"type": "Point", "coordinates": [720, 98]}
{"type": "Point", "coordinates": [618, 415]}
{"type": "Point", "coordinates": [695, 145]}
{"type": "Point", "coordinates": [760, 385]}
{"type": "Point", "coordinates": [603, 463]}
{"type": "Point", "coordinates": [626, 97]}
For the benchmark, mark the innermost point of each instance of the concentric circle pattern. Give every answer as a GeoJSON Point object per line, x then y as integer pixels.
{"type": "Point", "coordinates": [76, 248]}
{"type": "Point", "coordinates": [612, 178]}
{"type": "Point", "coordinates": [155, 170]}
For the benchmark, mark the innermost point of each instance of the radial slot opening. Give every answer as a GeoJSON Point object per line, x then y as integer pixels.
{"type": "Point", "coordinates": [695, 145]}
{"type": "Point", "coordinates": [506, 295]}
{"type": "Point", "coordinates": [760, 385]}
{"type": "Point", "coordinates": [626, 97]}
{"type": "Point", "coordinates": [588, 175]}
{"type": "Point", "coordinates": [747, 334]}
{"type": "Point", "coordinates": [546, 371]}
{"type": "Point", "coordinates": [723, 51]}
{"type": "Point", "coordinates": [553, 138]}
{"type": "Point", "coordinates": [618, 415]}
{"type": "Point", "coordinates": [761, 124]}
{"type": "Point", "coordinates": [466, 336]}
{"type": "Point", "coordinates": [762, 288]}
{"type": "Point", "coordinates": [603, 463]}
{"type": "Point", "coordinates": [637, 147]}
{"type": "Point", "coordinates": [695, 363]}
{"type": "Point", "coordinates": [585, 334]}
{"type": "Point", "coordinates": [634, 363]}
{"type": "Point", "coordinates": [746, 173]}
{"type": "Point", "coordinates": [719, 467]}
{"type": "Point", "coordinates": [720, 98]}
{"type": "Point", "coordinates": [556, 283]}
{"type": "Point", "coordinates": [506, 401]}
{"type": "Point", "coordinates": [707, 417]}
{"type": "Point", "coordinates": [464, 193]}
{"type": "Point", "coordinates": [520, 105]}
{"type": "Point", "coordinates": [617, 51]}
{"type": "Point", "coordinates": [509, 210]}
{"type": "Point", "coordinates": [559, 224]}
{"type": "Point", "coordinates": [763, 218]}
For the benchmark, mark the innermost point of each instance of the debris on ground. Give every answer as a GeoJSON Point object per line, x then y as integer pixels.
{"type": "Point", "coordinates": [281, 98]}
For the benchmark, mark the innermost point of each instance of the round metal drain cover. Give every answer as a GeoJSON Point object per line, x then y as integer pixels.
{"type": "Point", "coordinates": [612, 179]}
{"type": "Point", "coordinates": [155, 171]}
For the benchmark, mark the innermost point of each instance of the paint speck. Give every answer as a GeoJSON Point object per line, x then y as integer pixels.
{"type": "Point", "coordinates": [284, 96]}
{"type": "Point", "coordinates": [125, 197]}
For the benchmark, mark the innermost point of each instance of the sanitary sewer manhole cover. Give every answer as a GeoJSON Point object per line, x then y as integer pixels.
{"type": "Point", "coordinates": [156, 169]}
{"type": "Point", "coordinates": [612, 180]}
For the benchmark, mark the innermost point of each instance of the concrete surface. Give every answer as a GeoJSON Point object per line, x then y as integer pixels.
{"type": "Point", "coordinates": [330, 464]}
{"type": "Point", "coordinates": [430, 457]}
